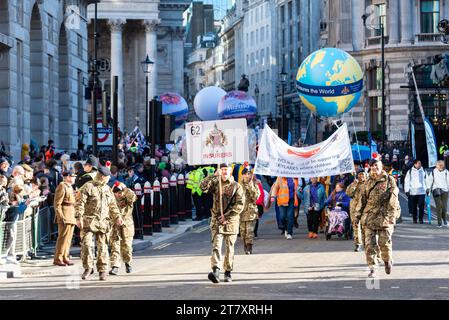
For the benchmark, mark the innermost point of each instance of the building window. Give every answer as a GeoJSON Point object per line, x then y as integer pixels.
{"type": "Point", "coordinates": [375, 113]}
{"type": "Point", "coordinates": [284, 37]}
{"type": "Point", "coordinates": [261, 12]}
{"type": "Point", "coordinates": [268, 56]}
{"type": "Point", "coordinates": [291, 34]}
{"type": "Point", "coordinates": [80, 46]}
{"type": "Point", "coordinates": [375, 79]}
{"type": "Point", "coordinates": [290, 11]}
{"type": "Point", "coordinates": [282, 12]}
{"type": "Point", "coordinates": [257, 57]}
{"type": "Point", "coordinates": [430, 16]}
{"type": "Point", "coordinates": [257, 36]}
{"type": "Point", "coordinates": [262, 57]}
{"type": "Point", "coordinates": [268, 33]}
{"type": "Point", "coordinates": [262, 78]}
{"type": "Point", "coordinates": [262, 34]}
{"type": "Point", "coordinates": [257, 14]}
{"type": "Point", "coordinates": [247, 39]}
{"type": "Point", "coordinates": [382, 12]}
{"type": "Point", "coordinates": [19, 12]}
{"type": "Point", "coordinates": [298, 8]}
{"type": "Point", "coordinates": [252, 38]}
{"type": "Point", "coordinates": [262, 102]}
{"type": "Point", "coordinates": [252, 59]}
{"type": "Point", "coordinates": [50, 28]}
{"type": "Point", "coordinates": [248, 61]}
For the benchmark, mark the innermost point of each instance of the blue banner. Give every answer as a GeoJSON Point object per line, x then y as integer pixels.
{"type": "Point", "coordinates": [412, 133]}
{"type": "Point", "coordinates": [329, 91]}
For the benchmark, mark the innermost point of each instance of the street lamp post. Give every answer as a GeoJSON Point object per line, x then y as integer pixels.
{"type": "Point", "coordinates": [147, 66]}
{"type": "Point", "coordinates": [94, 86]}
{"type": "Point", "coordinates": [382, 34]}
{"type": "Point", "coordinates": [283, 77]}
{"type": "Point", "coordinates": [256, 93]}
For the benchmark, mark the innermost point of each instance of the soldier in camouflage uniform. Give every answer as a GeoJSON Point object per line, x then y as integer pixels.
{"type": "Point", "coordinates": [249, 215]}
{"type": "Point", "coordinates": [379, 208]}
{"type": "Point", "coordinates": [122, 236]}
{"type": "Point", "coordinates": [95, 209]}
{"type": "Point", "coordinates": [354, 191]}
{"type": "Point", "coordinates": [224, 227]}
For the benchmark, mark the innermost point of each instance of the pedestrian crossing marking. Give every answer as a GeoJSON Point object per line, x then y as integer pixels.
{"type": "Point", "coordinates": [162, 246]}
{"type": "Point", "coordinates": [395, 288]}
{"type": "Point", "coordinates": [347, 287]}
{"type": "Point", "coordinates": [201, 229]}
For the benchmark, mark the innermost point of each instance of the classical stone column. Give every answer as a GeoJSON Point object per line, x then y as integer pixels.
{"type": "Point", "coordinates": [358, 30]}
{"type": "Point", "coordinates": [116, 26]}
{"type": "Point", "coordinates": [178, 54]}
{"type": "Point", "coordinates": [393, 20]}
{"type": "Point", "coordinates": [406, 22]}
{"type": "Point", "coordinates": [151, 50]}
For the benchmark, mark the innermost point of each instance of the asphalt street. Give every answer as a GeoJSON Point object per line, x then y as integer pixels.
{"type": "Point", "coordinates": [279, 269]}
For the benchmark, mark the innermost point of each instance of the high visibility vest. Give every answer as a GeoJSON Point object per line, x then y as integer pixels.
{"type": "Point", "coordinates": [283, 196]}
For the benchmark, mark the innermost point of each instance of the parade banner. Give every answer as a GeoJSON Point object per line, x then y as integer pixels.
{"type": "Point", "coordinates": [431, 142]}
{"type": "Point", "coordinates": [215, 142]}
{"type": "Point", "coordinates": [328, 158]}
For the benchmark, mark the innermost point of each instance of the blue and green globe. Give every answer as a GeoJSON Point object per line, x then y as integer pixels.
{"type": "Point", "coordinates": [329, 82]}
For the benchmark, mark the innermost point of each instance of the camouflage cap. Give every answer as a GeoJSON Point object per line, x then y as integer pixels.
{"type": "Point", "coordinates": [104, 171]}
{"type": "Point", "coordinates": [27, 167]}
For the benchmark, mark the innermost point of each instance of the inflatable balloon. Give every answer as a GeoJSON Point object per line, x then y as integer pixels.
{"type": "Point", "coordinates": [237, 104]}
{"type": "Point", "coordinates": [329, 82]}
{"type": "Point", "coordinates": [206, 103]}
{"type": "Point", "coordinates": [174, 104]}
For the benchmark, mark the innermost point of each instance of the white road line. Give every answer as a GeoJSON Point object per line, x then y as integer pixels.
{"type": "Point", "coordinates": [302, 287]}
{"type": "Point", "coordinates": [347, 287]}
{"type": "Point", "coordinates": [255, 287]}
{"type": "Point", "coordinates": [443, 287]}
{"type": "Point", "coordinates": [395, 288]}
{"type": "Point", "coordinates": [201, 229]}
{"type": "Point", "coordinates": [162, 246]}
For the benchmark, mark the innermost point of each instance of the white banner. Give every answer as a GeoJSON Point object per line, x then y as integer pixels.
{"type": "Point", "coordinates": [215, 142]}
{"type": "Point", "coordinates": [328, 158]}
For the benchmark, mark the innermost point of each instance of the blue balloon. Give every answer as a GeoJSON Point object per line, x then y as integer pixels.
{"type": "Point", "coordinates": [237, 104]}
{"type": "Point", "coordinates": [174, 104]}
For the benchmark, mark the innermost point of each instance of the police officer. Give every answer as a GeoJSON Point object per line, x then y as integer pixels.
{"type": "Point", "coordinates": [250, 214]}
{"type": "Point", "coordinates": [354, 191]}
{"type": "Point", "coordinates": [224, 227]}
{"type": "Point", "coordinates": [64, 204]}
{"type": "Point", "coordinates": [95, 209]}
{"type": "Point", "coordinates": [379, 208]}
{"type": "Point", "coordinates": [122, 235]}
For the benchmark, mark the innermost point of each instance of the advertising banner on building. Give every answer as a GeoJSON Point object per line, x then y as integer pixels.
{"type": "Point", "coordinates": [328, 158]}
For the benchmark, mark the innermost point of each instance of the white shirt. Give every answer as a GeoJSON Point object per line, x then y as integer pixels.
{"type": "Point", "coordinates": [415, 181]}
{"type": "Point", "coordinates": [439, 179]}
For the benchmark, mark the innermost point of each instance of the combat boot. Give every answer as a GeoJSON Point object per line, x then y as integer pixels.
{"type": "Point", "coordinates": [214, 276]}
{"type": "Point", "coordinates": [372, 273]}
{"type": "Point", "coordinates": [114, 271]}
{"type": "Point", "coordinates": [388, 266]}
{"type": "Point", "coordinates": [249, 249]}
{"type": "Point", "coordinates": [227, 276]}
{"type": "Point", "coordinates": [129, 269]}
{"type": "Point", "coordinates": [358, 248]}
{"type": "Point", "coordinates": [87, 273]}
{"type": "Point", "coordinates": [103, 276]}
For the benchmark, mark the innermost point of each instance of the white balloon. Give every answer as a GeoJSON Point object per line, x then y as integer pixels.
{"type": "Point", "coordinates": [206, 103]}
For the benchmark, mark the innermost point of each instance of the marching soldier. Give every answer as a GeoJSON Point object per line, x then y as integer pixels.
{"type": "Point", "coordinates": [354, 191]}
{"type": "Point", "coordinates": [379, 208]}
{"type": "Point", "coordinates": [95, 209]}
{"type": "Point", "coordinates": [249, 215]}
{"type": "Point", "coordinates": [122, 235]}
{"type": "Point", "coordinates": [64, 204]}
{"type": "Point", "coordinates": [224, 227]}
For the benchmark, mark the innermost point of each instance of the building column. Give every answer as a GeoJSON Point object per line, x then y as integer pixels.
{"type": "Point", "coordinates": [358, 30]}
{"type": "Point", "coordinates": [151, 50]}
{"type": "Point", "coordinates": [406, 22]}
{"type": "Point", "coordinates": [116, 26]}
{"type": "Point", "coordinates": [393, 20]}
{"type": "Point", "coordinates": [178, 58]}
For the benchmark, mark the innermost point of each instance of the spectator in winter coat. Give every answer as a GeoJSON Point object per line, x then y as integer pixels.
{"type": "Point", "coordinates": [438, 185]}
{"type": "Point", "coordinates": [415, 188]}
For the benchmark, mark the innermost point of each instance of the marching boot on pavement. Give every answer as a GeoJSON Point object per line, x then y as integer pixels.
{"type": "Point", "coordinates": [354, 191]}
{"type": "Point", "coordinates": [249, 215]}
{"type": "Point", "coordinates": [95, 209]}
{"type": "Point", "coordinates": [223, 228]}
{"type": "Point", "coordinates": [379, 208]}
{"type": "Point", "coordinates": [122, 235]}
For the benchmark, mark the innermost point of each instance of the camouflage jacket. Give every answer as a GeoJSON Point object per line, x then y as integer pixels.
{"type": "Point", "coordinates": [96, 207]}
{"type": "Point", "coordinates": [354, 191]}
{"type": "Point", "coordinates": [4, 203]}
{"type": "Point", "coordinates": [379, 203]}
{"type": "Point", "coordinates": [252, 193]}
{"type": "Point", "coordinates": [233, 200]}
{"type": "Point", "coordinates": [126, 206]}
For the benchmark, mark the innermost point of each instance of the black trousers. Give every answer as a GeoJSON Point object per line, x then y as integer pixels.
{"type": "Point", "coordinates": [260, 212]}
{"type": "Point", "coordinates": [418, 202]}
{"type": "Point", "coordinates": [198, 206]}
{"type": "Point", "coordinates": [313, 220]}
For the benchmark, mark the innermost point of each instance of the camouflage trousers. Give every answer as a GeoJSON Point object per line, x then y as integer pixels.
{"type": "Point", "coordinates": [87, 253]}
{"type": "Point", "coordinates": [216, 257]}
{"type": "Point", "coordinates": [357, 231]}
{"type": "Point", "coordinates": [378, 243]}
{"type": "Point", "coordinates": [121, 244]}
{"type": "Point", "coordinates": [247, 231]}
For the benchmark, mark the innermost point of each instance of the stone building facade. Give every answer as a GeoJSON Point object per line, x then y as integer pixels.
{"type": "Point", "coordinates": [43, 71]}
{"type": "Point", "coordinates": [129, 30]}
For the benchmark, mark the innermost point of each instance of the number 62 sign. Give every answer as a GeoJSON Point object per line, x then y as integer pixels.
{"type": "Point", "coordinates": [215, 142]}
